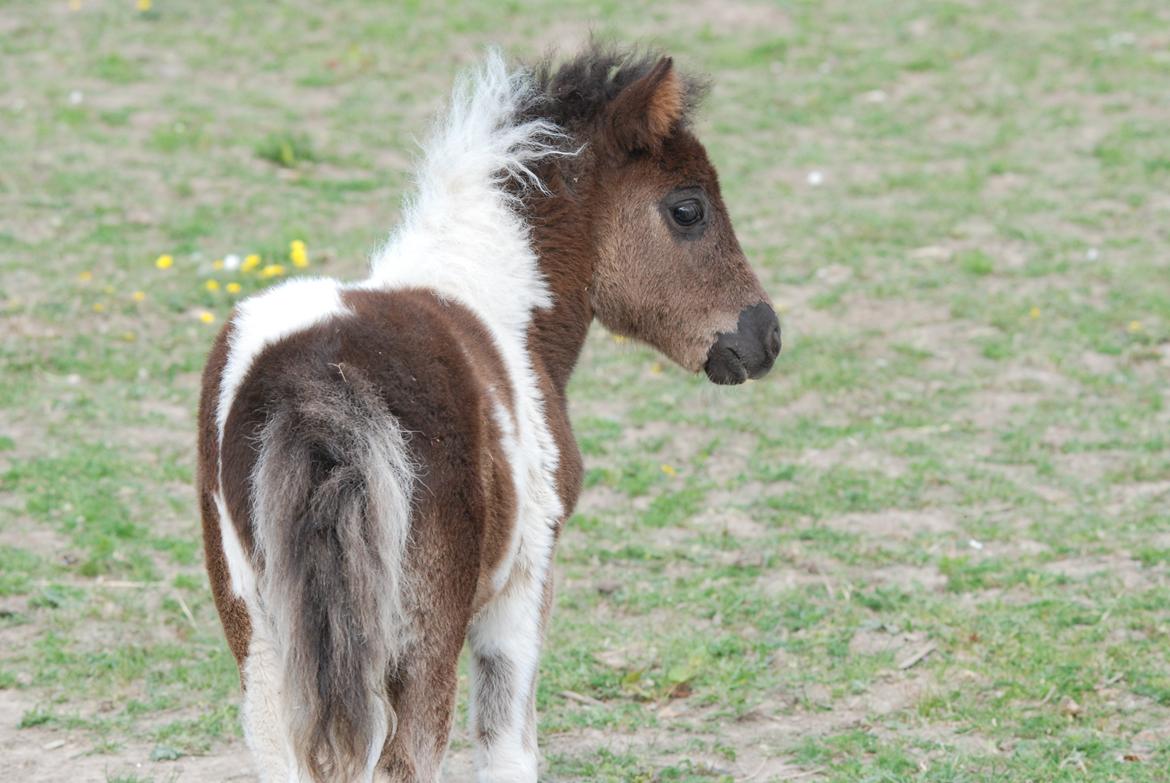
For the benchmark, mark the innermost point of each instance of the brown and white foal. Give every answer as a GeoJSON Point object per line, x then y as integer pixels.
{"type": "Point", "coordinates": [384, 466]}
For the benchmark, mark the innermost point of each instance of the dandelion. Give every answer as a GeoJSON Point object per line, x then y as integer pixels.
{"type": "Point", "coordinates": [144, 5]}
{"type": "Point", "coordinates": [656, 368]}
{"type": "Point", "coordinates": [251, 261]}
{"type": "Point", "coordinates": [212, 285]}
{"type": "Point", "coordinates": [1034, 313]}
{"type": "Point", "coordinates": [129, 336]}
{"type": "Point", "coordinates": [233, 288]}
{"type": "Point", "coordinates": [138, 296]}
{"type": "Point", "coordinates": [1134, 327]}
{"type": "Point", "coordinates": [206, 317]}
{"type": "Point", "coordinates": [298, 254]}
{"type": "Point", "coordinates": [619, 339]}
{"type": "Point", "coordinates": [98, 307]}
{"type": "Point", "coordinates": [85, 277]}
{"type": "Point", "coordinates": [272, 270]}
{"type": "Point", "coordinates": [164, 262]}
{"type": "Point", "coordinates": [669, 470]}
{"type": "Point", "coordinates": [217, 264]}
{"type": "Point", "coordinates": [231, 262]}
{"type": "Point", "coordinates": [107, 289]}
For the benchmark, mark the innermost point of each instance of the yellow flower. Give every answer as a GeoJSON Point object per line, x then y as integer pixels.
{"type": "Point", "coordinates": [1034, 313]}
{"type": "Point", "coordinates": [250, 262]}
{"type": "Point", "coordinates": [272, 270]}
{"type": "Point", "coordinates": [217, 264]}
{"type": "Point", "coordinates": [619, 339]}
{"type": "Point", "coordinates": [144, 5]}
{"type": "Point", "coordinates": [164, 262]}
{"type": "Point", "coordinates": [298, 254]}
{"type": "Point", "coordinates": [206, 317]}
{"type": "Point", "coordinates": [656, 368]}
{"type": "Point", "coordinates": [85, 276]}
{"type": "Point", "coordinates": [233, 288]}
{"type": "Point", "coordinates": [107, 289]}
{"type": "Point", "coordinates": [138, 296]}
{"type": "Point", "coordinates": [1134, 327]}
{"type": "Point", "coordinates": [98, 307]}
{"type": "Point", "coordinates": [669, 470]}
{"type": "Point", "coordinates": [129, 336]}
{"type": "Point", "coordinates": [212, 285]}
{"type": "Point", "coordinates": [74, 5]}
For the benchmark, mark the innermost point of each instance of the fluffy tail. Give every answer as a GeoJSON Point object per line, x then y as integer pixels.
{"type": "Point", "coordinates": [332, 492]}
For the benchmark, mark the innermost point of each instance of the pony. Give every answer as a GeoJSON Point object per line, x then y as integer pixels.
{"type": "Point", "coordinates": [385, 465]}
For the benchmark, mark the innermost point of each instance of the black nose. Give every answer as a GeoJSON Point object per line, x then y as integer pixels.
{"type": "Point", "coordinates": [749, 351]}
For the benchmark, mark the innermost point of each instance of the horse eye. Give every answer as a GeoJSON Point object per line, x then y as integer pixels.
{"type": "Point", "coordinates": [687, 213]}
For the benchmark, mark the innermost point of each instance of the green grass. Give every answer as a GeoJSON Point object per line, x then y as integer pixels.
{"type": "Point", "coordinates": [964, 444]}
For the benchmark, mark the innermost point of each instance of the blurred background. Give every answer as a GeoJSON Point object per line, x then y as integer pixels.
{"type": "Point", "coordinates": [933, 545]}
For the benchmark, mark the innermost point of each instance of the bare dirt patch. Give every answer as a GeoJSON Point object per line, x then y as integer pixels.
{"type": "Point", "coordinates": [1127, 571]}
{"type": "Point", "coordinates": [38, 755]}
{"type": "Point", "coordinates": [897, 524]}
{"type": "Point", "coordinates": [848, 453]}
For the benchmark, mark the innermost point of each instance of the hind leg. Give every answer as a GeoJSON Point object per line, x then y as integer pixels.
{"type": "Point", "coordinates": [505, 638]}
{"type": "Point", "coordinates": [263, 713]}
{"type": "Point", "coordinates": [424, 701]}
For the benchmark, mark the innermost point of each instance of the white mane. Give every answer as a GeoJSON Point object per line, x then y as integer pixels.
{"type": "Point", "coordinates": [461, 235]}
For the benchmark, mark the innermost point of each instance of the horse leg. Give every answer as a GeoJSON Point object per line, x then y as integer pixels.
{"type": "Point", "coordinates": [505, 637]}
{"type": "Point", "coordinates": [264, 712]}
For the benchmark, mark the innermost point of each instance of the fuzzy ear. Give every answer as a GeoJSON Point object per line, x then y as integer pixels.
{"type": "Point", "coordinates": [643, 113]}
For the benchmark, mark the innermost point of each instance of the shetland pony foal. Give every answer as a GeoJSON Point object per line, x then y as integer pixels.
{"type": "Point", "coordinates": [385, 465]}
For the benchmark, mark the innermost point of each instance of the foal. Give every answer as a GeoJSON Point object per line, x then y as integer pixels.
{"type": "Point", "coordinates": [384, 466]}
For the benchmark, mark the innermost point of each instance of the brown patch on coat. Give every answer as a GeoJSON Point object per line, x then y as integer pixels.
{"type": "Point", "coordinates": [485, 371]}
{"type": "Point", "coordinates": [233, 614]}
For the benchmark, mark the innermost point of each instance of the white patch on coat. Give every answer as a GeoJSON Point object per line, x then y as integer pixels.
{"type": "Point", "coordinates": [240, 570]}
{"type": "Point", "coordinates": [261, 320]}
{"type": "Point", "coordinates": [508, 629]}
{"type": "Point", "coordinates": [263, 715]}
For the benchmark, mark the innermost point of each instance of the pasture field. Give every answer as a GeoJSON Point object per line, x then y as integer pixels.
{"type": "Point", "coordinates": [933, 545]}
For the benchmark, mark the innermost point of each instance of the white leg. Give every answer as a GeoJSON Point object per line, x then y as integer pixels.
{"type": "Point", "coordinates": [505, 638]}
{"type": "Point", "coordinates": [264, 711]}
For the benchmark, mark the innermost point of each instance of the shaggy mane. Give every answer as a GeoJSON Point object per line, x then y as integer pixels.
{"type": "Point", "coordinates": [573, 94]}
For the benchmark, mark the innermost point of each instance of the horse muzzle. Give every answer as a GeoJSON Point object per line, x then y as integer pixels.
{"type": "Point", "coordinates": [749, 351]}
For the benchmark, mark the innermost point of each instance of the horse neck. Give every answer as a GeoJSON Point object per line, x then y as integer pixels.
{"type": "Point", "coordinates": [561, 237]}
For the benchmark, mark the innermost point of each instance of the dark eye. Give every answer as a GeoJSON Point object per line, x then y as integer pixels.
{"type": "Point", "coordinates": [687, 213]}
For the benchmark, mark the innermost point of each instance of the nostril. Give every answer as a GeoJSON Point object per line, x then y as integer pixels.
{"type": "Point", "coordinates": [774, 342]}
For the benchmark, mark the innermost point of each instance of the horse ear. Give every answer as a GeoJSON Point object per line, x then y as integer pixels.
{"type": "Point", "coordinates": [643, 113]}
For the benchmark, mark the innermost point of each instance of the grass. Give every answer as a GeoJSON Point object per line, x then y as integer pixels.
{"type": "Point", "coordinates": [963, 448]}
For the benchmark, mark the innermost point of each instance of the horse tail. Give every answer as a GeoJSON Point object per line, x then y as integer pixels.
{"type": "Point", "coordinates": [331, 493]}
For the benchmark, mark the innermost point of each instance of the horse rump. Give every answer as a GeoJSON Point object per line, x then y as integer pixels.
{"type": "Point", "coordinates": [331, 496]}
